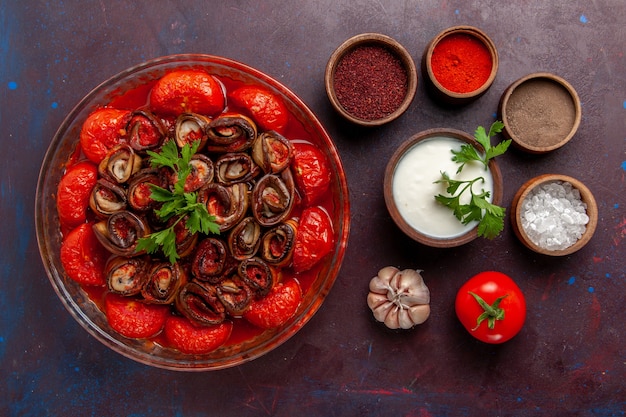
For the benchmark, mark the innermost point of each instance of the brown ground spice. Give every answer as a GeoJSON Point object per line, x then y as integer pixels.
{"type": "Point", "coordinates": [370, 82]}
{"type": "Point", "coordinates": [541, 112]}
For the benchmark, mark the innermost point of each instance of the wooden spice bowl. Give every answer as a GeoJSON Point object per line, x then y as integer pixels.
{"type": "Point", "coordinates": [517, 209]}
{"type": "Point", "coordinates": [541, 112]}
{"type": "Point", "coordinates": [388, 44]}
{"type": "Point", "coordinates": [444, 215]}
{"type": "Point", "coordinates": [439, 91]}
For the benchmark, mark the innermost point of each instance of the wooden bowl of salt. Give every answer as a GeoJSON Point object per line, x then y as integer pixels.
{"type": "Point", "coordinates": [541, 112]}
{"type": "Point", "coordinates": [554, 214]}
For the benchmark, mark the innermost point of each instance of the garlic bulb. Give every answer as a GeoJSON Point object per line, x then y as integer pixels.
{"type": "Point", "coordinates": [400, 299]}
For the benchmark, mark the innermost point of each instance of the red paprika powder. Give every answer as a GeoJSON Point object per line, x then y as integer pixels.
{"type": "Point", "coordinates": [461, 63]}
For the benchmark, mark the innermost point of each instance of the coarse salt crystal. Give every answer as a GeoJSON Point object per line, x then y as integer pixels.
{"type": "Point", "coordinates": [554, 216]}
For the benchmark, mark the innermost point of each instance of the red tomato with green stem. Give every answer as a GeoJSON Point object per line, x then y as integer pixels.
{"type": "Point", "coordinates": [133, 318]}
{"type": "Point", "coordinates": [314, 239]}
{"type": "Point", "coordinates": [491, 307]}
{"type": "Point", "coordinates": [83, 257]}
{"type": "Point", "coordinates": [102, 130]}
{"type": "Point", "coordinates": [73, 193]}
{"type": "Point", "coordinates": [187, 91]}
{"type": "Point", "coordinates": [311, 171]}
{"type": "Point", "coordinates": [265, 108]}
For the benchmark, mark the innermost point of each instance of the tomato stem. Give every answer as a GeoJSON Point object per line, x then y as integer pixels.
{"type": "Point", "coordinates": [491, 312]}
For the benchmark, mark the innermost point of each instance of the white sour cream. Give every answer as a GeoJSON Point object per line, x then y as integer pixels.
{"type": "Point", "coordinates": [414, 187]}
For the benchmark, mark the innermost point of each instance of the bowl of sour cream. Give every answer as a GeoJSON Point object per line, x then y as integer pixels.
{"type": "Point", "coordinates": [411, 184]}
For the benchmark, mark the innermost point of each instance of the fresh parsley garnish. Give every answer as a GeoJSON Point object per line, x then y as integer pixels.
{"type": "Point", "coordinates": [490, 217]}
{"type": "Point", "coordinates": [176, 204]}
{"type": "Point", "coordinates": [469, 153]}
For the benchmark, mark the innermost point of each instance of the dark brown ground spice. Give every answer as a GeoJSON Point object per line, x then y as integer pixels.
{"type": "Point", "coordinates": [370, 82]}
{"type": "Point", "coordinates": [540, 112]}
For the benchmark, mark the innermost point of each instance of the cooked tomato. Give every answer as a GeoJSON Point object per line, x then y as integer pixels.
{"type": "Point", "coordinates": [102, 130]}
{"type": "Point", "coordinates": [277, 307]}
{"type": "Point", "coordinates": [491, 307]}
{"type": "Point", "coordinates": [83, 257]}
{"type": "Point", "coordinates": [311, 171]}
{"type": "Point", "coordinates": [314, 238]}
{"type": "Point", "coordinates": [73, 193]}
{"type": "Point", "coordinates": [265, 108]}
{"type": "Point", "coordinates": [187, 338]}
{"type": "Point", "coordinates": [133, 318]}
{"type": "Point", "coordinates": [187, 91]}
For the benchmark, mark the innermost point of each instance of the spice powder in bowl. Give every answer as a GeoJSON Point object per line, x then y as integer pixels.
{"type": "Point", "coordinates": [541, 112]}
{"type": "Point", "coordinates": [370, 82]}
{"type": "Point", "coordinates": [459, 64]}
{"type": "Point", "coordinates": [371, 79]}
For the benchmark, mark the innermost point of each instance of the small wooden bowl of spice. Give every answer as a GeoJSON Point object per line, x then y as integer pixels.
{"type": "Point", "coordinates": [554, 214]}
{"type": "Point", "coordinates": [371, 79]}
{"type": "Point", "coordinates": [541, 112]}
{"type": "Point", "coordinates": [459, 65]}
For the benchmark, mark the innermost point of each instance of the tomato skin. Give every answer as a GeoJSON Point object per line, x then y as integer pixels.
{"type": "Point", "coordinates": [314, 238]}
{"type": "Point", "coordinates": [311, 171]}
{"type": "Point", "coordinates": [277, 307]}
{"type": "Point", "coordinates": [187, 91]}
{"type": "Point", "coordinates": [187, 338]}
{"type": "Point", "coordinates": [266, 109]}
{"type": "Point", "coordinates": [490, 285]}
{"type": "Point", "coordinates": [83, 257]}
{"type": "Point", "coordinates": [102, 130]}
{"type": "Point", "coordinates": [132, 318]}
{"type": "Point", "coordinates": [73, 193]}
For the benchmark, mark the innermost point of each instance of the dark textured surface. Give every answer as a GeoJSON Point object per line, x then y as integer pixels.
{"type": "Point", "coordinates": [570, 358]}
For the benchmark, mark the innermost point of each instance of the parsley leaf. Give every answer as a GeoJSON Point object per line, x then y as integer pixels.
{"type": "Point", "coordinates": [167, 157]}
{"type": "Point", "coordinates": [163, 239]}
{"type": "Point", "coordinates": [177, 204]}
{"type": "Point", "coordinates": [490, 217]}
{"type": "Point", "coordinates": [469, 153]}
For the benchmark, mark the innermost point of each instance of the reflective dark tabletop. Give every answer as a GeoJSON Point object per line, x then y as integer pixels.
{"type": "Point", "coordinates": [570, 357]}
